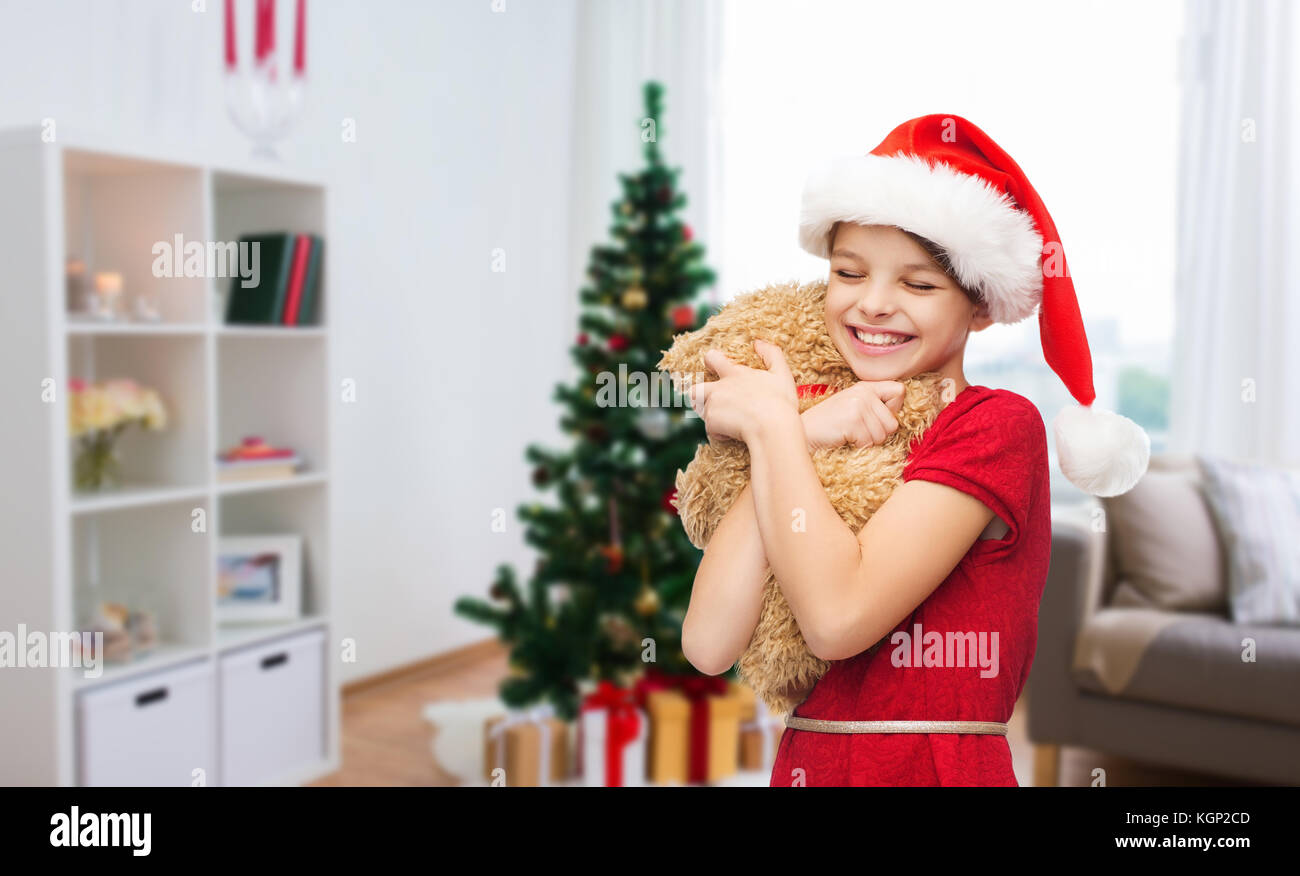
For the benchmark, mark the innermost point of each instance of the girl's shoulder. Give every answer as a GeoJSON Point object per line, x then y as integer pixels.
{"type": "Point", "coordinates": [984, 401]}
{"type": "Point", "coordinates": [981, 422]}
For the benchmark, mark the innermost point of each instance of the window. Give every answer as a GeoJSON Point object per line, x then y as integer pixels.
{"type": "Point", "coordinates": [803, 83]}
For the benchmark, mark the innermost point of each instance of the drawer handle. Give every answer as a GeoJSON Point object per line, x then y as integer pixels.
{"type": "Point", "coordinates": [275, 660]}
{"type": "Point", "coordinates": [151, 696]}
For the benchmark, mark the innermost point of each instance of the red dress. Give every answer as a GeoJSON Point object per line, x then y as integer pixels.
{"type": "Point", "coordinates": [991, 444]}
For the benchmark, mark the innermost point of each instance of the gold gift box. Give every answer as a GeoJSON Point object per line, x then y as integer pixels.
{"type": "Point", "coordinates": [670, 734]}
{"type": "Point", "coordinates": [523, 752]}
{"type": "Point", "coordinates": [751, 741]}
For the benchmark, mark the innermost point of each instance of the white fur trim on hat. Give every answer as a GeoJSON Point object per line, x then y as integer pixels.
{"type": "Point", "coordinates": [992, 245]}
{"type": "Point", "coordinates": [1101, 452]}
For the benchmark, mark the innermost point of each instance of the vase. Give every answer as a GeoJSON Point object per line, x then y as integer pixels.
{"type": "Point", "coordinates": [263, 104]}
{"type": "Point", "coordinates": [97, 464]}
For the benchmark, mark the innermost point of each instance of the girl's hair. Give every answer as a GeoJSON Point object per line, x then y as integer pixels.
{"type": "Point", "coordinates": [934, 250]}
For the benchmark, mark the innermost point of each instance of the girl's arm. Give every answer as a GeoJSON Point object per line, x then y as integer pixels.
{"type": "Point", "coordinates": [727, 596]}
{"type": "Point", "coordinates": [726, 599]}
{"type": "Point", "coordinates": [848, 591]}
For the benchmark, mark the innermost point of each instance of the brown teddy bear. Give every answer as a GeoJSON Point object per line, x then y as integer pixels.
{"type": "Point", "coordinates": [777, 663]}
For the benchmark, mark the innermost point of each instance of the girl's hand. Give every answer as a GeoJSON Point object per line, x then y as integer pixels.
{"type": "Point", "coordinates": [743, 398]}
{"type": "Point", "coordinates": [861, 415]}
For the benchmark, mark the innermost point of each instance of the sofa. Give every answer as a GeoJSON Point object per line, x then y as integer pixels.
{"type": "Point", "coordinates": [1166, 677]}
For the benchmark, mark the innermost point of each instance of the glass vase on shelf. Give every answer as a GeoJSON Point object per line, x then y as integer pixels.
{"type": "Point", "coordinates": [97, 464]}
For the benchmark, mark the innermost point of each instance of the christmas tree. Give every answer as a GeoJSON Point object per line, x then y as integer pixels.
{"type": "Point", "coordinates": [608, 594]}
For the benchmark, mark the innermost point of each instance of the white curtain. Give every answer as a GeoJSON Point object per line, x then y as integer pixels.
{"type": "Point", "coordinates": [1236, 368]}
{"type": "Point", "coordinates": [621, 45]}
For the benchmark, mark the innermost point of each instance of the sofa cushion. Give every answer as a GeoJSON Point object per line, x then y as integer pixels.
{"type": "Point", "coordinates": [1165, 547]}
{"type": "Point", "coordinates": [1257, 511]}
{"type": "Point", "coordinates": [1198, 661]}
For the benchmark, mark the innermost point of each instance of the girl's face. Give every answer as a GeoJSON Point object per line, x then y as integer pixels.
{"type": "Point", "coordinates": [892, 311]}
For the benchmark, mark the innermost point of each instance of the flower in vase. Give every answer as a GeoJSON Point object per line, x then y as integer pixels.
{"type": "Point", "coordinates": [97, 415]}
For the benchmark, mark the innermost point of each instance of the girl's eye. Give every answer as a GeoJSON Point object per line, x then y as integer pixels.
{"type": "Point", "coordinates": [851, 276]}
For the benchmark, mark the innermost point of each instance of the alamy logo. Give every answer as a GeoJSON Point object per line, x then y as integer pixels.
{"type": "Point", "coordinates": [36, 649]}
{"type": "Point", "coordinates": [77, 828]}
{"type": "Point", "coordinates": [217, 259]}
{"type": "Point", "coordinates": [953, 649]}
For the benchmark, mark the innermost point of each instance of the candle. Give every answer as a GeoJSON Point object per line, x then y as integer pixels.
{"type": "Point", "coordinates": [261, 38]}
{"type": "Point", "coordinates": [270, 26]}
{"type": "Point", "coordinates": [108, 288]}
{"type": "Point", "coordinates": [299, 40]}
{"type": "Point", "coordinates": [108, 283]}
{"type": "Point", "coordinates": [230, 34]}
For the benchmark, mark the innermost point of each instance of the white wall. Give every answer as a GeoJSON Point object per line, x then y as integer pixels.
{"type": "Point", "coordinates": [463, 120]}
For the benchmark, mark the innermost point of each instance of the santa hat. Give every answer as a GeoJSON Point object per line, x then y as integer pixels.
{"type": "Point", "coordinates": [943, 178]}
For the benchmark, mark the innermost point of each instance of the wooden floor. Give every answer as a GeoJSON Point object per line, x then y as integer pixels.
{"type": "Point", "coordinates": [386, 739]}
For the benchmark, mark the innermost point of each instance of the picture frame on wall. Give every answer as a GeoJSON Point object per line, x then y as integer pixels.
{"type": "Point", "coordinates": [259, 578]}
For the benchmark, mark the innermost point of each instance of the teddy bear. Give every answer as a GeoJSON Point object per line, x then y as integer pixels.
{"type": "Point", "coordinates": [777, 664]}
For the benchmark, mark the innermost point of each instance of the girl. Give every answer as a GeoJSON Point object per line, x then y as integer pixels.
{"type": "Point", "coordinates": [934, 234]}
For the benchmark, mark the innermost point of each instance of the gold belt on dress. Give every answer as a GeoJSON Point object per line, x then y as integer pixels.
{"type": "Point", "coordinates": [996, 728]}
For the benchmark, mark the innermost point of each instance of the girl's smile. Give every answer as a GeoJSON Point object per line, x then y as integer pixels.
{"type": "Point", "coordinates": [878, 343]}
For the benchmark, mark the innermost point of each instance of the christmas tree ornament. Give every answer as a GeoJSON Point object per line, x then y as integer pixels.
{"type": "Point", "coordinates": [653, 423]}
{"type": "Point", "coordinates": [541, 476]}
{"type": "Point", "coordinates": [687, 233]}
{"type": "Point", "coordinates": [618, 342]}
{"type": "Point", "coordinates": [683, 316]}
{"type": "Point", "coordinates": [634, 298]}
{"type": "Point", "coordinates": [613, 555]}
{"type": "Point", "coordinates": [582, 339]}
{"type": "Point", "coordinates": [647, 602]}
{"type": "Point", "coordinates": [620, 632]}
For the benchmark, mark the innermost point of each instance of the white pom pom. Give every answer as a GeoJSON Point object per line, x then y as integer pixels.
{"type": "Point", "coordinates": [1101, 452]}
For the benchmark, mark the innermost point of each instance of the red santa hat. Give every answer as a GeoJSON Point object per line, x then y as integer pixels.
{"type": "Point", "coordinates": [943, 178]}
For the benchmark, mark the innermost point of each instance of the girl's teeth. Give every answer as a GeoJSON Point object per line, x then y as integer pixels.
{"type": "Point", "coordinates": [880, 340]}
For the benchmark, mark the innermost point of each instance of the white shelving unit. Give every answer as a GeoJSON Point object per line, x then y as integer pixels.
{"type": "Point", "coordinates": [108, 203]}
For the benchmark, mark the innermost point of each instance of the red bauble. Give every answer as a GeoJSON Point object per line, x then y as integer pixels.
{"type": "Point", "coordinates": [667, 500]}
{"type": "Point", "coordinates": [683, 316]}
{"type": "Point", "coordinates": [687, 233]}
{"type": "Point", "coordinates": [618, 343]}
{"type": "Point", "coordinates": [582, 339]}
{"type": "Point", "coordinates": [613, 558]}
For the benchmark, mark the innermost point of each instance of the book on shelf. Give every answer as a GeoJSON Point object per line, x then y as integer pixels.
{"type": "Point", "coordinates": [305, 312]}
{"type": "Point", "coordinates": [255, 460]}
{"type": "Point", "coordinates": [271, 469]}
{"type": "Point", "coordinates": [288, 284]}
{"type": "Point", "coordinates": [293, 295]}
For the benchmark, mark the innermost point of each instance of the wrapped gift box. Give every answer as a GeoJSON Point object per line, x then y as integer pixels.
{"type": "Point", "coordinates": [529, 745]}
{"type": "Point", "coordinates": [710, 732]}
{"type": "Point", "coordinates": [760, 730]}
{"type": "Point", "coordinates": [669, 745]}
{"type": "Point", "coordinates": [721, 713]}
{"type": "Point", "coordinates": [612, 735]}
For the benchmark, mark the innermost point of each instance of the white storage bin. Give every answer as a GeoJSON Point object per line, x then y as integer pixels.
{"type": "Point", "coordinates": [272, 709]}
{"type": "Point", "coordinates": [152, 730]}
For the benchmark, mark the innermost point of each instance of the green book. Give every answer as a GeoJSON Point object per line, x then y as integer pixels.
{"type": "Point", "coordinates": [263, 303]}
{"type": "Point", "coordinates": [311, 284]}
